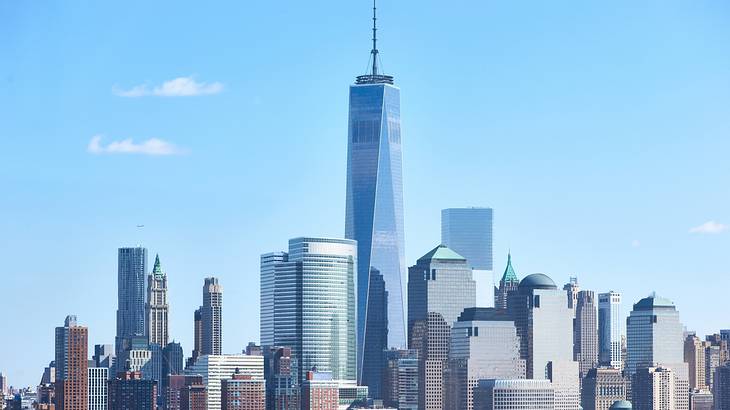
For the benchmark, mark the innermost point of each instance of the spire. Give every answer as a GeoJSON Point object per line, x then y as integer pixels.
{"type": "Point", "coordinates": [509, 272]}
{"type": "Point", "coordinates": [374, 51]}
{"type": "Point", "coordinates": [157, 270]}
{"type": "Point", "coordinates": [374, 76]}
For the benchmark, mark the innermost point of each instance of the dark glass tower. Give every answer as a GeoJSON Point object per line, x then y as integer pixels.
{"type": "Point", "coordinates": [374, 209]}
{"type": "Point", "coordinates": [132, 268]}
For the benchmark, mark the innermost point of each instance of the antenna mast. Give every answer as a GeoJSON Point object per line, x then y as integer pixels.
{"type": "Point", "coordinates": [374, 52]}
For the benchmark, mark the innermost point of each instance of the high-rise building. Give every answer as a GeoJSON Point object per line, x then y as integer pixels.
{"type": "Point", "coordinates": [721, 387]}
{"type": "Point", "coordinates": [104, 356]}
{"type": "Point", "coordinates": [212, 317]}
{"type": "Point", "coordinates": [507, 284]}
{"type": "Point", "coordinates": [314, 304]}
{"type": "Point", "coordinates": [602, 387]}
{"type": "Point", "coordinates": [98, 389]}
{"type": "Point", "coordinates": [72, 364]}
{"type": "Point", "coordinates": [176, 398]}
{"type": "Point", "coordinates": [655, 338]}
{"type": "Point", "coordinates": [484, 345]}
{"type": "Point", "coordinates": [374, 202]}
{"type": "Point", "coordinates": [156, 307]}
{"type": "Point", "coordinates": [440, 287]}
{"type": "Point", "coordinates": [376, 339]}
{"type": "Point", "coordinates": [468, 231]}
{"type": "Point", "coordinates": [129, 391]}
{"type": "Point", "coordinates": [654, 388]}
{"type": "Point", "coordinates": [609, 329]}
{"type": "Point", "coordinates": [269, 262]}
{"type": "Point", "coordinates": [571, 290]}
{"type": "Point", "coordinates": [400, 379]}
{"type": "Point", "coordinates": [197, 336]}
{"type": "Point", "coordinates": [243, 392]}
{"type": "Point", "coordinates": [172, 364]}
{"type": "Point", "coordinates": [132, 268]}
{"type": "Point", "coordinates": [214, 368]}
{"type": "Point", "coordinates": [694, 356]}
{"type": "Point", "coordinates": [514, 394]}
{"type": "Point", "coordinates": [282, 379]}
{"type": "Point", "coordinates": [701, 400]}
{"type": "Point", "coordinates": [585, 343]}
{"type": "Point", "coordinates": [137, 358]}
{"type": "Point", "coordinates": [713, 360]}
{"type": "Point", "coordinates": [320, 392]}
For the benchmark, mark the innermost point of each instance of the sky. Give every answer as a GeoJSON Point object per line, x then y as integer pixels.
{"type": "Point", "coordinates": [598, 132]}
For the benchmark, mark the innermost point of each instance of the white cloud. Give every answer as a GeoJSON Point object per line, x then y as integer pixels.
{"type": "Point", "coordinates": [178, 87]}
{"type": "Point", "coordinates": [710, 227]}
{"type": "Point", "coordinates": [152, 146]}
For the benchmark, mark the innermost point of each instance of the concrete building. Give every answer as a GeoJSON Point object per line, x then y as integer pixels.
{"type": "Point", "coordinates": [132, 268]}
{"type": "Point", "coordinates": [282, 379]}
{"type": "Point", "coordinates": [602, 387]}
{"type": "Point", "coordinates": [701, 400]}
{"type": "Point", "coordinates": [400, 381]}
{"type": "Point", "coordinates": [585, 343]}
{"type": "Point", "coordinates": [194, 395]}
{"type": "Point", "coordinates": [655, 338]}
{"type": "Point", "coordinates": [215, 368]}
{"type": "Point", "coordinates": [694, 356]}
{"type": "Point", "coordinates": [156, 308]}
{"type": "Point", "coordinates": [653, 388]}
{"type": "Point", "coordinates": [98, 388]}
{"type": "Point", "coordinates": [211, 318]}
{"type": "Point", "coordinates": [72, 366]}
{"type": "Point", "coordinates": [129, 391]}
{"type": "Point", "coordinates": [440, 287]}
{"type": "Point", "coordinates": [507, 284]}
{"type": "Point", "coordinates": [243, 392]}
{"type": "Point", "coordinates": [484, 345]}
{"type": "Point", "coordinates": [609, 329]}
{"type": "Point", "coordinates": [514, 394]}
{"type": "Point", "coordinates": [320, 392]}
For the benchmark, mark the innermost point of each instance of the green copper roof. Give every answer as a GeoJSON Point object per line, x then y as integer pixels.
{"type": "Point", "coordinates": [442, 252]}
{"type": "Point", "coordinates": [509, 272]}
{"type": "Point", "coordinates": [157, 270]}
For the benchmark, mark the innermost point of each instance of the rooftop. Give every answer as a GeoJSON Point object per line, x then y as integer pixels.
{"type": "Point", "coordinates": [537, 281]}
{"type": "Point", "coordinates": [443, 253]}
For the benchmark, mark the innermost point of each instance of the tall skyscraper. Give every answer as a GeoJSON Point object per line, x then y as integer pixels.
{"type": "Point", "coordinates": [156, 307]}
{"type": "Point", "coordinates": [655, 338]}
{"type": "Point", "coordinates": [212, 317]}
{"type": "Point", "coordinates": [653, 388]}
{"type": "Point", "coordinates": [314, 303]}
{"type": "Point", "coordinates": [269, 262]}
{"type": "Point", "coordinates": [72, 364]}
{"type": "Point", "coordinates": [694, 356]}
{"type": "Point", "coordinates": [282, 379]}
{"type": "Point", "coordinates": [215, 368]}
{"type": "Point", "coordinates": [609, 329]}
{"type": "Point", "coordinates": [197, 336]}
{"type": "Point", "coordinates": [585, 343]}
{"type": "Point", "coordinates": [132, 268]}
{"type": "Point", "coordinates": [484, 345]}
{"type": "Point", "coordinates": [507, 284]}
{"type": "Point", "coordinates": [374, 203]}
{"type": "Point", "coordinates": [468, 231]}
{"type": "Point", "coordinates": [376, 339]}
{"type": "Point", "coordinates": [98, 392]}
{"type": "Point", "coordinates": [440, 287]}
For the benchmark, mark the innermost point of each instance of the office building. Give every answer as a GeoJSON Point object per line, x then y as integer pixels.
{"type": "Point", "coordinates": [132, 268]}
{"type": "Point", "coordinates": [72, 364]}
{"type": "Point", "coordinates": [653, 388]}
{"type": "Point", "coordinates": [514, 394]}
{"type": "Point", "coordinates": [400, 379]}
{"type": "Point", "coordinates": [507, 284]}
{"type": "Point", "coordinates": [376, 339]}
{"type": "Point", "coordinates": [694, 356]}
{"type": "Point", "coordinates": [282, 379]}
{"type": "Point", "coordinates": [177, 399]}
{"type": "Point", "coordinates": [211, 317]}
{"type": "Point", "coordinates": [156, 307]}
{"type": "Point", "coordinates": [137, 358]}
{"type": "Point", "coordinates": [214, 368]}
{"type": "Point", "coordinates": [314, 304]}
{"type": "Point", "coordinates": [129, 391]}
{"type": "Point", "coordinates": [349, 394]}
{"type": "Point", "coordinates": [721, 387]}
{"type": "Point", "coordinates": [440, 287]}
{"type": "Point", "coordinates": [609, 329]}
{"type": "Point", "coordinates": [655, 338]}
{"type": "Point", "coordinates": [104, 356]}
{"type": "Point", "coordinates": [585, 343]}
{"type": "Point", "coordinates": [172, 364]}
{"type": "Point", "coordinates": [602, 387]}
{"type": "Point", "coordinates": [197, 337]}
{"type": "Point", "coordinates": [320, 392]}
{"type": "Point", "coordinates": [571, 290]}
{"type": "Point", "coordinates": [243, 392]}
{"type": "Point", "coordinates": [701, 400]}
{"type": "Point", "coordinates": [374, 204]}
{"type": "Point", "coordinates": [468, 231]}
{"type": "Point", "coordinates": [194, 395]}
{"type": "Point", "coordinates": [98, 390]}
{"type": "Point", "coordinates": [713, 360]}
{"type": "Point", "coordinates": [484, 345]}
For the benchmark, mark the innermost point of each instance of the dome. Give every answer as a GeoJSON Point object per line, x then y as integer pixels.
{"type": "Point", "coordinates": [621, 405]}
{"type": "Point", "coordinates": [537, 281]}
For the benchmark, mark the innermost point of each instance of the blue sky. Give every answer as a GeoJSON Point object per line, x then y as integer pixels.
{"type": "Point", "coordinates": [598, 132]}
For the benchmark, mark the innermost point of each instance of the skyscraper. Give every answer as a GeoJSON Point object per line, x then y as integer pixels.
{"type": "Point", "coordinates": [197, 336]}
{"type": "Point", "coordinates": [98, 394]}
{"type": "Point", "coordinates": [314, 304]}
{"type": "Point", "coordinates": [507, 284]}
{"type": "Point", "coordinates": [374, 202]}
{"type": "Point", "coordinates": [655, 338]}
{"type": "Point", "coordinates": [694, 356]}
{"type": "Point", "coordinates": [609, 329]}
{"type": "Point", "coordinates": [132, 268]}
{"type": "Point", "coordinates": [468, 231]}
{"type": "Point", "coordinates": [156, 307]}
{"type": "Point", "coordinates": [104, 356]}
{"type": "Point", "coordinates": [282, 379]}
{"type": "Point", "coordinates": [585, 344]}
{"type": "Point", "coordinates": [72, 364]}
{"type": "Point", "coordinates": [721, 387]}
{"type": "Point", "coordinates": [653, 388]}
{"type": "Point", "coordinates": [212, 317]}
{"type": "Point", "coordinates": [400, 379]}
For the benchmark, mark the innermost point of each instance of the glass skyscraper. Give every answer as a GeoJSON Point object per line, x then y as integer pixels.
{"type": "Point", "coordinates": [374, 206]}
{"type": "Point", "coordinates": [468, 231]}
{"type": "Point", "coordinates": [609, 329]}
{"type": "Point", "coordinates": [132, 268]}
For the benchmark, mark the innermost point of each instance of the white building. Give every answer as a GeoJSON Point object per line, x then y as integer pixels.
{"type": "Point", "coordinates": [98, 388]}
{"type": "Point", "coordinates": [609, 329]}
{"type": "Point", "coordinates": [514, 394]}
{"type": "Point", "coordinates": [214, 368]}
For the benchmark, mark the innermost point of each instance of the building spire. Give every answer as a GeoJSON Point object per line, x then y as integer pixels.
{"type": "Point", "coordinates": [374, 51]}
{"type": "Point", "coordinates": [374, 76]}
{"type": "Point", "coordinates": [157, 269]}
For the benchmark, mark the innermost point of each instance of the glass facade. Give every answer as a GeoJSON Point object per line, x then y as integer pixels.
{"type": "Point", "coordinates": [468, 231]}
{"type": "Point", "coordinates": [132, 268]}
{"type": "Point", "coordinates": [374, 206]}
{"type": "Point", "coordinates": [609, 329]}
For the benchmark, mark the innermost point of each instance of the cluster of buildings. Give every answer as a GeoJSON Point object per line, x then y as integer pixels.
{"type": "Point", "coordinates": [337, 332]}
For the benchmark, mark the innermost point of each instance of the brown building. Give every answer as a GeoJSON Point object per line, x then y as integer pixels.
{"type": "Point", "coordinates": [72, 366]}
{"type": "Point", "coordinates": [319, 392]}
{"type": "Point", "coordinates": [128, 391]}
{"type": "Point", "coordinates": [243, 392]}
{"type": "Point", "coordinates": [602, 387]}
{"type": "Point", "coordinates": [184, 392]}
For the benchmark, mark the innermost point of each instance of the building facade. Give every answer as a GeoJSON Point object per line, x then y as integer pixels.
{"type": "Point", "coordinates": [653, 388]}
{"type": "Point", "coordinates": [132, 268]}
{"type": "Point", "coordinates": [243, 392]}
{"type": "Point", "coordinates": [701, 400]}
{"type": "Point", "coordinates": [585, 343]}
{"type": "Point", "coordinates": [507, 284]}
{"type": "Point", "coordinates": [282, 379]}
{"type": "Point", "coordinates": [602, 387]}
{"type": "Point", "coordinates": [694, 355]}
{"type": "Point", "coordinates": [72, 364]}
{"type": "Point", "coordinates": [215, 368]}
{"type": "Point", "coordinates": [400, 379]}
{"type": "Point", "coordinates": [98, 388]}
{"type": "Point", "coordinates": [721, 387]}
{"type": "Point", "coordinates": [320, 392]}
{"type": "Point", "coordinates": [211, 317]}
{"type": "Point", "coordinates": [514, 394]}
{"type": "Point", "coordinates": [468, 231]}
{"type": "Point", "coordinates": [129, 391]}
{"type": "Point", "coordinates": [156, 307]}
{"type": "Point", "coordinates": [609, 329]}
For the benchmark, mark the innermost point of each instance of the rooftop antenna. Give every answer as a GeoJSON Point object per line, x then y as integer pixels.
{"type": "Point", "coordinates": [374, 52]}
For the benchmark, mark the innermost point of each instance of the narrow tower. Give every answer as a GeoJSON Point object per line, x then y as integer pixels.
{"type": "Point", "coordinates": [212, 317]}
{"type": "Point", "coordinates": [157, 308]}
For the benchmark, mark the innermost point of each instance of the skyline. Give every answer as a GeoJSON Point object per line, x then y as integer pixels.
{"type": "Point", "coordinates": [79, 193]}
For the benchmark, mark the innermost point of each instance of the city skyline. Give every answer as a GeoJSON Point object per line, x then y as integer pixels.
{"type": "Point", "coordinates": [223, 235]}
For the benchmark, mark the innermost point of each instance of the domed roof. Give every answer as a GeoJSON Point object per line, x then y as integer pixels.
{"type": "Point", "coordinates": [537, 281]}
{"type": "Point", "coordinates": [621, 405]}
